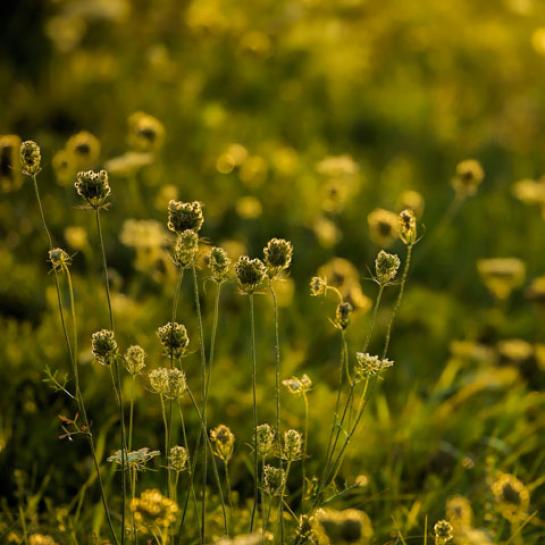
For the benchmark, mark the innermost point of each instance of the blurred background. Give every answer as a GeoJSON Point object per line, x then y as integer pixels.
{"type": "Point", "coordinates": [304, 119]}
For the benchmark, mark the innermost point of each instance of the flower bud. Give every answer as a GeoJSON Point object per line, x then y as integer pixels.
{"type": "Point", "coordinates": [186, 249]}
{"type": "Point", "coordinates": [468, 178]}
{"type": "Point", "coordinates": [318, 286]}
{"type": "Point", "coordinates": [250, 273]}
{"type": "Point", "coordinates": [386, 267]}
{"type": "Point", "coordinates": [443, 532]}
{"type": "Point", "coordinates": [184, 215]}
{"type": "Point", "coordinates": [343, 314]}
{"type": "Point", "coordinates": [59, 259]}
{"type": "Point", "coordinates": [293, 445]}
{"type": "Point", "coordinates": [135, 360]}
{"type": "Point", "coordinates": [264, 439]}
{"type": "Point", "coordinates": [174, 338]}
{"type": "Point", "coordinates": [93, 187]}
{"type": "Point", "coordinates": [407, 226]}
{"type": "Point", "coordinates": [104, 346]}
{"type": "Point", "coordinates": [274, 479]}
{"type": "Point", "coordinates": [31, 158]}
{"type": "Point", "coordinates": [277, 255]}
{"type": "Point", "coordinates": [219, 264]}
{"type": "Point", "coordinates": [178, 458]}
{"type": "Point", "coordinates": [223, 442]}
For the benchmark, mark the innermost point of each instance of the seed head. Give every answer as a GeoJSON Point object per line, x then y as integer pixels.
{"type": "Point", "coordinates": [104, 346]}
{"type": "Point", "coordinates": [293, 445]}
{"type": "Point", "coordinates": [223, 442]}
{"type": "Point", "coordinates": [443, 532]}
{"type": "Point", "coordinates": [178, 459]}
{"type": "Point", "coordinates": [177, 384]}
{"type": "Point", "coordinates": [93, 187]}
{"type": "Point", "coordinates": [318, 286]}
{"type": "Point", "coordinates": [386, 267]}
{"type": "Point", "coordinates": [158, 379]}
{"type": "Point", "coordinates": [186, 249]}
{"type": "Point", "coordinates": [277, 256]}
{"type": "Point", "coordinates": [31, 158]}
{"type": "Point", "coordinates": [174, 338]}
{"type": "Point", "coordinates": [185, 215]}
{"type": "Point", "coordinates": [407, 226]}
{"type": "Point", "coordinates": [343, 314]}
{"type": "Point", "coordinates": [274, 479]}
{"type": "Point", "coordinates": [250, 273]}
{"type": "Point", "coordinates": [367, 364]}
{"type": "Point", "coordinates": [264, 439]}
{"type": "Point", "coordinates": [298, 386]}
{"type": "Point", "coordinates": [468, 178]}
{"type": "Point", "coordinates": [59, 259]}
{"type": "Point", "coordinates": [135, 360]}
{"type": "Point", "coordinates": [219, 264]}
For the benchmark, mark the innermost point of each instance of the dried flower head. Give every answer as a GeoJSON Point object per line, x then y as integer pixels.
{"type": "Point", "coordinates": [31, 158]}
{"type": "Point", "coordinates": [468, 178]}
{"type": "Point", "coordinates": [298, 386]}
{"type": "Point", "coordinates": [511, 496]}
{"type": "Point", "coordinates": [277, 256]}
{"type": "Point", "coordinates": [136, 459]}
{"type": "Point", "coordinates": [153, 513]}
{"type": "Point", "coordinates": [407, 226]}
{"type": "Point", "coordinates": [93, 187]}
{"type": "Point", "coordinates": [169, 383]}
{"type": "Point", "coordinates": [347, 526]}
{"type": "Point", "coordinates": [383, 227]}
{"type": "Point", "coordinates": [367, 364]}
{"type": "Point", "coordinates": [158, 379]}
{"type": "Point", "coordinates": [293, 445]}
{"type": "Point", "coordinates": [250, 273]}
{"type": "Point", "coordinates": [178, 459]}
{"type": "Point", "coordinates": [186, 249]}
{"type": "Point", "coordinates": [223, 442]}
{"type": "Point", "coordinates": [59, 259]}
{"type": "Point", "coordinates": [83, 150]}
{"type": "Point", "coordinates": [185, 215]}
{"type": "Point", "coordinates": [502, 275]}
{"type": "Point", "coordinates": [219, 264]}
{"type": "Point", "coordinates": [386, 267]}
{"type": "Point", "coordinates": [274, 479]}
{"type": "Point", "coordinates": [264, 439]}
{"type": "Point", "coordinates": [343, 314]}
{"type": "Point", "coordinates": [318, 286]}
{"type": "Point", "coordinates": [146, 133]}
{"type": "Point", "coordinates": [104, 346]}
{"type": "Point", "coordinates": [174, 338]}
{"type": "Point", "coordinates": [135, 360]}
{"type": "Point", "coordinates": [443, 532]}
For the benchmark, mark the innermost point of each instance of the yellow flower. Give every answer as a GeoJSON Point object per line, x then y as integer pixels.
{"type": "Point", "coordinates": [501, 275]}
{"type": "Point", "coordinates": [459, 512]}
{"type": "Point", "coordinates": [146, 133]}
{"type": "Point", "coordinates": [383, 227]}
{"type": "Point", "coordinates": [84, 150]}
{"type": "Point", "coordinates": [511, 496]}
{"type": "Point", "coordinates": [153, 512]}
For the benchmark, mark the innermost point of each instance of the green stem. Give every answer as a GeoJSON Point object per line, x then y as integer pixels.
{"type": "Point", "coordinates": [133, 495]}
{"type": "Point", "coordinates": [204, 453]}
{"type": "Point", "coordinates": [280, 503]}
{"type": "Point", "coordinates": [254, 409]}
{"type": "Point", "coordinates": [176, 297]}
{"type": "Point", "coordinates": [131, 411]}
{"type": "Point", "coordinates": [229, 499]}
{"type": "Point", "coordinates": [399, 298]}
{"type": "Point", "coordinates": [373, 318]}
{"type": "Point", "coordinates": [167, 440]}
{"type": "Point", "coordinates": [305, 448]}
{"type": "Point", "coordinates": [277, 358]}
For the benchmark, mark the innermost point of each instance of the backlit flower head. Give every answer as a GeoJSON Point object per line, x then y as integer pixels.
{"type": "Point", "coordinates": [174, 338]}
{"type": "Point", "coordinates": [386, 267]}
{"type": "Point", "coordinates": [223, 442]}
{"type": "Point", "coordinates": [250, 273]}
{"type": "Point", "coordinates": [31, 158]}
{"type": "Point", "coordinates": [185, 215]}
{"type": "Point", "coordinates": [104, 346]}
{"type": "Point", "coordinates": [93, 187]}
{"type": "Point", "coordinates": [277, 256]}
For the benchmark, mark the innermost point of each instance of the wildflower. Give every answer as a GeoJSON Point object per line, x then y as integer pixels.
{"type": "Point", "coordinates": [31, 158]}
{"type": "Point", "coordinates": [186, 249]}
{"type": "Point", "coordinates": [153, 512]}
{"type": "Point", "coordinates": [250, 273]}
{"type": "Point", "coordinates": [459, 512]}
{"type": "Point", "coordinates": [59, 259]}
{"type": "Point", "coordinates": [407, 228]}
{"type": "Point", "coordinates": [274, 480]}
{"type": "Point", "coordinates": [383, 226]}
{"type": "Point", "coordinates": [136, 459]}
{"type": "Point", "coordinates": [318, 286]}
{"type": "Point", "coordinates": [93, 187]}
{"type": "Point", "coordinates": [530, 192]}
{"type": "Point", "coordinates": [10, 163]}
{"type": "Point", "coordinates": [84, 149]}
{"type": "Point", "coordinates": [298, 386]}
{"type": "Point", "coordinates": [219, 264]}
{"type": "Point", "coordinates": [264, 439]}
{"type": "Point", "coordinates": [469, 175]}
{"type": "Point", "coordinates": [146, 133]}
{"type": "Point", "coordinates": [293, 445]}
{"type": "Point", "coordinates": [277, 256]}
{"type": "Point", "coordinates": [158, 379]}
{"type": "Point", "coordinates": [223, 442]}
{"type": "Point", "coordinates": [343, 314]}
{"type": "Point", "coordinates": [174, 338]}
{"type": "Point", "coordinates": [501, 275]}
{"type": "Point", "coordinates": [367, 365]}
{"type": "Point", "coordinates": [135, 360]}
{"type": "Point", "coordinates": [41, 539]}
{"type": "Point", "coordinates": [104, 346]}
{"type": "Point", "coordinates": [170, 383]}
{"type": "Point", "coordinates": [511, 496]}
{"type": "Point", "coordinates": [443, 532]}
{"type": "Point", "coordinates": [386, 267]}
{"type": "Point", "coordinates": [178, 459]}
{"type": "Point", "coordinates": [347, 526]}
{"type": "Point", "coordinates": [184, 215]}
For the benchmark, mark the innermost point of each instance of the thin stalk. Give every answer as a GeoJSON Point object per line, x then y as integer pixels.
{"type": "Point", "coordinates": [176, 297]}
{"type": "Point", "coordinates": [118, 377]}
{"type": "Point", "coordinates": [280, 503]}
{"type": "Point", "coordinates": [131, 411]}
{"type": "Point", "coordinates": [204, 453]}
{"type": "Point", "coordinates": [373, 318]}
{"type": "Point", "coordinates": [167, 440]}
{"type": "Point", "coordinates": [277, 358]}
{"type": "Point", "coordinates": [254, 409]}
{"type": "Point", "coordinates": [228, 492]}
{"type": "Point", "coordinates": [399, 298]}
{"type": "Point", "coordinates": [133, 495]}
{"type": "Point", "coordinates": [305, 448]}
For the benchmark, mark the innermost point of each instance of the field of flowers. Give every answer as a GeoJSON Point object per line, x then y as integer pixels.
{"type": "Point", "coordinates": [272, 272]}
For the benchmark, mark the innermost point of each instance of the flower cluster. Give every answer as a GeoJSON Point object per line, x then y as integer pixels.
{"type": "Point", "coordinates": [174, 339]}
{"type": "Point", "coordinates": [59, 259]}
{"type": "Point", "coordinates": [136, 459]}
{"type": "Point", "coordinates": [277, 256]}
{"type": "Point", "coordinates": [93, 187]}
{"type": "Point", "coordinates": [219, 263]}
{"type": "Point", "coordinates": [169, 383]}
{"type": "Point", "coordinates": [386, 267]}
{"type": "Point", "coordinates": [104, 346]}
{"type": "Point", "coordinates": [178, 458]}
{"type": "Point", "coordinates": [153, 512]}
{"type": "Point", "coordinates": [274, 479]}
{"type": "Point", "coordinates": [293, 445]}
{"type": "Point", "coordinates": [367, 364]}
{"type": "Point", "coordinates": [343, 315]}
{"type": "Point", "coordinates": [250, 273]}
{"type": "Point", "coordinates": [298, 386]}
{"type": "Point", "coordinates": [264, 439]}
{"type": "Point", "coordinates": [185, 215]}
{"type": "Point", "coordinates": [31, 158]}
{"type": "Point", "coordinates": [186, 249]}
{"type": "Point", "coordinates": [135, 360]}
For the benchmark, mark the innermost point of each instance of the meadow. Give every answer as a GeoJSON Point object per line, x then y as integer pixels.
{"type": "Point", "coordinates": [272, 272]}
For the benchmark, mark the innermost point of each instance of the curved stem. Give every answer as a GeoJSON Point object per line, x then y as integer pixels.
{"type": "Point", "coordinates": [254, 410]}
